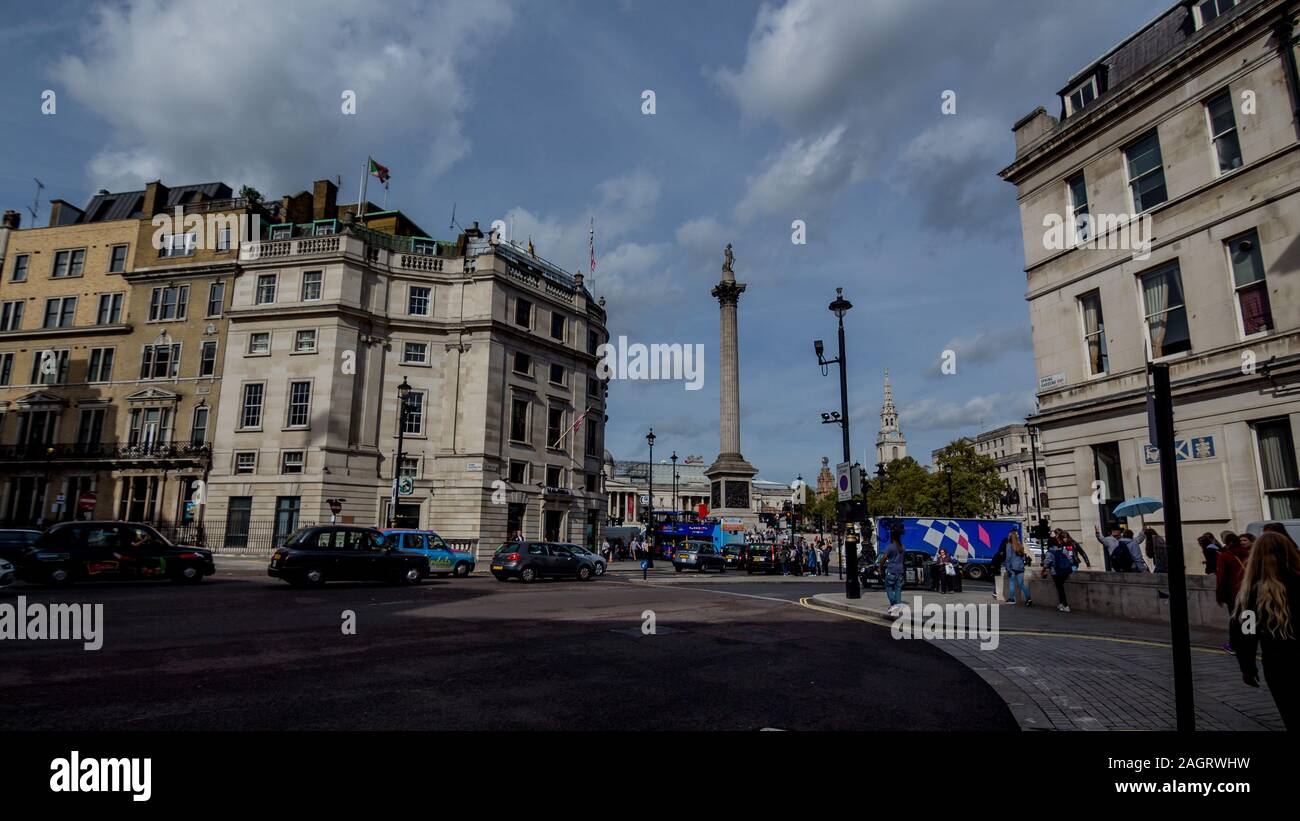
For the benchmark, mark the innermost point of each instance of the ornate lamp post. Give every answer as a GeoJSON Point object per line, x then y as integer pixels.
{"type": "Point", "coordinates": [673, 458]}
{"type": "Point", "coordinates": [403, 393]}
{"type": "Point", "coordinates": [650, 508]}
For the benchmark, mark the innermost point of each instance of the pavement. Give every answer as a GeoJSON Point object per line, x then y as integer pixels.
{"type": "Point", "coordinates": [1080, 671]}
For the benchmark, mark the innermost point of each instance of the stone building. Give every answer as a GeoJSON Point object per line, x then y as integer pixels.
{"type": "Point", "coordinates": [1160, 213]}
{"type": "Point", "coordinates": [891, 445]}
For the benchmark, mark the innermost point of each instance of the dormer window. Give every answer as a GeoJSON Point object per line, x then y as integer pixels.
{"type": "Point", "coordinates": [1207, 11]}
{"type": "Point", "coordinates": [1081, 96]}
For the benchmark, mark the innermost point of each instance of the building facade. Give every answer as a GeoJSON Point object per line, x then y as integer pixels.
{"type": "Point", "coordinates": [1160, 214]}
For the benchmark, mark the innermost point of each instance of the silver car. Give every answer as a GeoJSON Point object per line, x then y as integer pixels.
{"type": "Point", "coordinates": [596, 558]}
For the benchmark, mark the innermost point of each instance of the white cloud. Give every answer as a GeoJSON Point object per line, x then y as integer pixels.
{"type": "Point", "coordinates": [248, 91]}
{"type": "Point", "coordinates": [987, 345]}
{"type": "Point", "coordinates": [975, 414]}
{"type": "Point", "coordinates": [803, 177]}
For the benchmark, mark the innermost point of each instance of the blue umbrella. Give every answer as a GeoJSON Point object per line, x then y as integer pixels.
{"type": "Point", "coordinates": [1140, 506]}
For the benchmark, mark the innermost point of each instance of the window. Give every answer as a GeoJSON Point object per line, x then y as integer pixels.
{"type": "Point", "coordinates": [557, 326]}
{"type": "Point", "coordinates": [150, 426]}
{"type": "Point", "coordinates": [593, 342]}
{"type": "Point", "coordinates": [177, 245]}
{"type": "Point", "coordinates": [1248, 281]}
{"type": "Point", "coordinates": [311, 285]}
{"type": "Point", "coordinates": [304, 341]}
{"type": "Point", "coordinates": [238, 514]}
{"type": "Point", "coordinates": [1146, 173]}
{"type": "Point", "coordinates": [90, 426]}
{"type": "Point", "coordinates": [279, 232]}
{"type": "Point", "coordinates": [208, 358]}
{"type": "Point", "coordinates": [518, 420]}
{"type": "Point", "coordinates": [417, 301]}
{"type": "Point", "coordinates": [1278, 469]}
{"type": "Point", "coordinates": [101, 365]}
{"type": "Point", "coordinates": [425, 247]}
{"type": "Point", "coordinates": [6, 367]}
{"type": "Point", "coordinates": [169, 302]}
{"type": "Point", "coordinates": [49, 367]}
{"type": "Point", "coordinates": [110, 309]}
{"type": "Point", "coordinates": [1166, 315]}
{"type": "Point", "coordinates": [1110, 473]}
{"type": "Point", "coordinates": [250, 415]}
{"type": "Point", "coordinates": [199, 426]}
{"type": "Point", "coordinates": [160, 361]}
{"type": "Point", "coordinates": [266, 284]}
{"type": "Point", "coordinates": [299, 414]}
{"type": "Point", "coordinates": [216, 299]}
{"type": "Point", "coordinates": [414, 414]}
{"type": "Point", "coordinates": [415, 353]}
{"type": "Point", "coordinates": [554, 428]}
{"type": "Point", "coordinates": [259, 343]}
{"type": "Point", "coordinates": [409, 467]}
{"type": "Point", "coordinates": [11, 316]}
{"type": "Point", "coordinates": [60, 312]}
{"type": "Point", "coordinates": [1080, 217]}
{"type": "Point", "coordinates": [1094, 333]}
{"type": "Point", "coordinates": [591, 438]}
{"type": "Point", "coordinates": [223, 239]}
{"type": "Point", "coordinates": [1223, 131]}
{"type": "Point", "coordinates": [323, 229]}
{"type": "Point", "coordinates": [117, 259]}
{"type": "Point", "coordinates": [246, 462]}
{"type": "Point", "coordinates": [1081, 96]}
{"type": "Point", "coordinates": [518, 472]}
{"type": "Point", "coordinates": [557, 374]}
{"type": "Point", "coordinates": [554, 476]}
{"type": "Point", "coordinates": [523, 364]}
{"type": "Point", "coordinates": [1207, 11]}
{"type": "Point", "coordinates": [21, 262]}
{"type": "Point", "coordinates": [523, 313]}
{"type": "Point", "coordinates": [292, 461]}
{"type": "Point", "coordinates": [589, 483]}
{"type": "Point", "coordinates": [68, 263]}
{"type": "Point", "coordinates": [287, 509]}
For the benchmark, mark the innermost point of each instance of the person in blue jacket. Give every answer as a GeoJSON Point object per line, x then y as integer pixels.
{"type": "Point", "coordinates": [1014, 567]}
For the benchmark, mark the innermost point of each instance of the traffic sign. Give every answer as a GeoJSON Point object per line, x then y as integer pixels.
{"type": "Point", "coordinates": [336, 507]}
{"type": "Point", "coordinates": [842, 482]}
{"type": "Point", "coordinates": [405, 486]}
{"type": "Point", "coordinates": [86, 501]}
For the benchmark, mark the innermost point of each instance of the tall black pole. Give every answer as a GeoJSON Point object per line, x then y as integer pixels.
{"type": "Point", "coordinates": [397, 463]}
{"type": "Point", "coordinates": [1184, 700]}
{"type": "Point", "coordinates": [852, 587]}
{"type": "Point", "coordinates": [650, 507]}
{"type": "Point", "coordinates": [1038, 497]}
{"type": "Point", "coordinates": [949, 474]}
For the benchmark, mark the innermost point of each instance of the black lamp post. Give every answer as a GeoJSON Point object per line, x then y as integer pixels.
{"type": "Point", "coordinates": [674, 461]}
{"type": "Point", "coordinates": [650, 508]}
{"type": "Point", "coordinates": [403, 393]}
{"type": "Point", "coordinates": [840, 307]}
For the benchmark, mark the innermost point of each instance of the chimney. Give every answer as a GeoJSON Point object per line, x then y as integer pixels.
{"type": "Point", "coordinates": [155, 199]}
{"type": "Point", "coordinates": [297, 208]}
{"type": "Point", "coordinates": [324, 197]}
{"type": "Point", "coordinates": [474, 231]}
{"type": "Point", "coordinates": [11, 220]}
{"type": "Point", "coordinates": [64, 213]}
{"type": "Point", "coordinates": [1031, 127]}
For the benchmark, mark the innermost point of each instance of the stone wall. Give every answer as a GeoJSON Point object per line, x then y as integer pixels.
{"type": "Point", "coordinates": [1137, 596]}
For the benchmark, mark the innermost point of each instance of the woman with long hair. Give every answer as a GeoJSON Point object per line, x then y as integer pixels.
{"type": "Point", "coordinates": [1015, 569]}
{"type": "Point", "coordinates": [1232, 568]}
{"type": "Point", "coordinates": [1267, 615]}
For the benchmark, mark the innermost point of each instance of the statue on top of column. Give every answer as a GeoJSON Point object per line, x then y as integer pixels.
{"type": "Point", "coordinates": [729, 261]}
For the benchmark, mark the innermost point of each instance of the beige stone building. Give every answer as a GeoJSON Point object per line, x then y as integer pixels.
{"type": "Point", "coordinates": [1161, 213]}
{"type": "Point", "coordinates": [496, 345]}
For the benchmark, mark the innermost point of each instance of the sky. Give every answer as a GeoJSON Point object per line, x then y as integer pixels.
{"type": "Point", "coordinates": [825, 111]}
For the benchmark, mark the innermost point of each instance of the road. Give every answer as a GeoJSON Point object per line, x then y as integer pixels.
{"type": "Point", "coordinates": [243, 651]}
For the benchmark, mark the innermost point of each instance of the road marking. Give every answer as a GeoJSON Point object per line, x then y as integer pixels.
{"type": "Point", "coordinates": [705, 590]}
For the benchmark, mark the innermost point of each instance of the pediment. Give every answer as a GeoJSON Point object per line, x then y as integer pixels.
{"type": "Point", "coordinates": [153, 395]}
{"type": "Point", "coordinates": [41, 398]}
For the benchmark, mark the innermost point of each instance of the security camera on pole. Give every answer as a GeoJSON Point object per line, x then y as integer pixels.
{"type": "Point", "coordinates": [846, 485]}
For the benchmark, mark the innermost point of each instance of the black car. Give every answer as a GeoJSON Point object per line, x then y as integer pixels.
{"type": "Point", "coordinates": [93, 551]}
{"type": "Point", "coordinates": [14, 543]}
{"type": "Point", "coordinates": [530, 561]}
{"type": "Point", "coordinates": [734, 554]}
{"type": "Point", "coordinates": [761, 557]}
{"type": "Point", "coordinates": [312, 556]}
{"type": "Point", "coordinates": [701, 556]}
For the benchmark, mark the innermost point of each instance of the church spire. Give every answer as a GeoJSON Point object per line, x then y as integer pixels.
{"type": "Point", "coordinates": [890, 443]}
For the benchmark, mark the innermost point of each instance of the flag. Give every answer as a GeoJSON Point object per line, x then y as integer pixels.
{"type": "Point", "coordinates": [531, 251]}
{"type": "Point", "coordinates": [572, 428]}
{"type": "Point", "coordinates": [380, 171]}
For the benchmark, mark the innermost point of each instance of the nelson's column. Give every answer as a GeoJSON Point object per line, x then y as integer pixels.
{"type": "Point", "coordinates": [731, 476]}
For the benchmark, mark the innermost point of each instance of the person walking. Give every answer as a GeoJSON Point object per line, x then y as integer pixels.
{"type": "Point", "coordinates": [1060, 564]}
{"type": "Point", "coordinates": [1077, 554]}
{"type": "Point", "coordinates": [940, 570]}
{"type": "Point", "coordinates": [1123, 555]}
{"type": "Point", "coordinates": [1157, 550]}
{"type": "Point", "coordinates": [826, 559]}
{"type": "Point", "coordinates": [891, 568]}
{"type": "Point", "coordinates": [1232, 569]}
{"type": "Point", "coordinates": [1015, 569]}
{"type": "Point", "coordinates": [961, 558]}
{"type": "Point", "coordinates": [813, 564]}
{"type": "Point", "coordinates": [1270, 590]}
{"type": "Point", "coordinates": [1210, 548]}
{"type": "Point", "coordinates": [995, 568]}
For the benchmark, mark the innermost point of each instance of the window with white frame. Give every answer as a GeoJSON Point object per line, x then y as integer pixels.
{"type": "Point", "coordinates": [208, 358]}
{"type": "Point", "coordinates": [1094, 333]}
{"type": "Point", "coordinates": [60, 312]}
{"type": "Point", "coordinates": [1146, 173]}
{"type": "Point", "coordinates": [216, 299]}
{"type": "Point", "coordinates": [69, 263]}
{"type": "Point", "coordinates": [6, 367]}
{"type": "Point", "coordinates": [110, 309]}
{"type": "Point", "coordinates": [414, 425]}
{"type": "Point", "coordinates": [199, 425]}
{"type": "Point", "coordinates": [169, 302]}
{"type": "Point", "coordinates": [293, 461]}
{"type": "Point", "coordinates": [299, 412]}
{"type": "Point", "coordinates": [409, 467]}
{"type": "Point", "coordinates": [311, 285]}
{"type": "Point", "coordinates": [304, 341]}
{"type": "Point", "coordinates": [246, 461]}
{"type": "Point", "coordinates": [1080, 216]}
{"type": "Point", "coordinates": [177, 245]}
{"type": "Point", "coordinates": [250, 412]}
{"type": "Point", "coordinates": [1207, 11]}
{"type": "Point", "coordinates": [415, 353]}
{"type": "Point", "coordinates": [1277, 466]}
{"type": "Point", "coordinates": [11, 315]}
{"type": "Point", "coordinates": [259, 343]}
{"type": "Point", "coordinates": [266, 284]}
{"type": "Point", "coordinates": [160, 361]}
{"type": "Point", "coordinates": [1223, 132]}
{"type": "Point", "coordinates": [1248, 281]}
{"type": "Point", "coordinates": [100, 366]}
{"type": "Point", "coordinates": [1166, 314]}
{"type": "Point", "coordinates": [1081, 96]}
{"type": "Point", "coordinates": [417, 300]}
{"type": "Point", "coordinates": [21, 263]}
{"type": "Point", "coordinates": [518, 472]}
{"type": "Point", "coordinates": [117, 259]}
{"type": "Point", "coordinates": [279, 232]}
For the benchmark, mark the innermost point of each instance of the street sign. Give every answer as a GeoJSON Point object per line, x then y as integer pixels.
{"type": "Point", "coordinates": [843, 483]}
{"type": "Point", "coordinates": [86, 501]}
{"type": "Point", "coordinates": [405, 486]}
{"type": "Point", "coordinates": [645, 500]}
{"type": "Point", "coordinates": [336, 507]}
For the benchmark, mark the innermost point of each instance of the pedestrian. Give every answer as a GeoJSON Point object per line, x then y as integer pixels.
{"type": "Point", "coordinates": [606, 551]}
{"type": "Point", "coordinates": [995, 568]}
{"type": "Point", "coordinates": [826, 558]}
{"type": "Point", "coordinates": [1210, 548]}
{"type": "Point", "coordinates": [1270, 590]}
{"type": "Point", "coordinates": [1060, 564]}
{"type": "Point", "coordinates": [944, 569]}
{"type": "Point", "coordinates": [785, 560]}
{"type": "Point", "coordinates": [813, 564]}
{"type": "Point", "coordinates": [1157, 550]}
{"type": "Point", "coordinates": [1077, 554]}
{"type": "Point", "coordinates": [891, 568]}
{"type": "Point", "coordinates": [1122, 552]}
{"type": "Point", "coordinates": [1227, 585]}
{"type": "Point", "coordinates": [1015, 569]}
{"type": "Point", "coordinates": [1247, 540]}
{"type": "Point", "coordinates": [961, 557]}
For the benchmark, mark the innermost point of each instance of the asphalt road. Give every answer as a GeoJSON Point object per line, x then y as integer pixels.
{"type": "Point", "coordinates": [243, 651]}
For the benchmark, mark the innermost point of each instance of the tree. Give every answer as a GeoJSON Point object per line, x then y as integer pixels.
{"type": "Point", "coordinates": [251, 194]}
{"type": "Point", "coordinates": [976, 485]}
{"type": "Point", "coordinates": [904, 489]}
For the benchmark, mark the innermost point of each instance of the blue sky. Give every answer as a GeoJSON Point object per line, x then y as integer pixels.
{"type": "Point", "coordinates": [827, 111]}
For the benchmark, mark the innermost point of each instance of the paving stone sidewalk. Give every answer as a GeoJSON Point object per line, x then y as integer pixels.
{"type": "Point", "coordinates": [1078, 671]}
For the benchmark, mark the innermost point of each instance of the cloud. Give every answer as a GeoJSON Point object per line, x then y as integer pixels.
{"type": "Point", "coordinates": [983, 347]}
{"type": "Point", "coordinates": [975, 414]}
{"type": "Point", "coordinates": [947, 169]}
{"type": "Point", "coordinates": [255, 94]}
{"type": "Point", "coordinates": [803, 177]}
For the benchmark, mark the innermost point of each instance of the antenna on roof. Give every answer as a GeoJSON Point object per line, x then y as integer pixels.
{"type": "Point", "coordinates": [36, 200]}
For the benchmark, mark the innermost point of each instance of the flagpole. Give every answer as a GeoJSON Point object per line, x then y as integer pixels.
{"type": "Point", "coordinates": [385, 196]}
{"type": "Point", "coordinates": [361, 200]}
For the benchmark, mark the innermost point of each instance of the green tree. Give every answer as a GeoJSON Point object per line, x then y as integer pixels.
{"type": "Point", "coordinates": [904, 488]}
{"type": "Point", "coordinates": [976, 486]}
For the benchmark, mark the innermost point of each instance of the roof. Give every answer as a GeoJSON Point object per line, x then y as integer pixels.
{"type": "Point", "coordinates": [123, 205]}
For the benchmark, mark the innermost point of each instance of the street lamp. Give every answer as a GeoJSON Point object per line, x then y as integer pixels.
{"type": "Point", "coordinates": [841, 306]}
{"type": "Point", "coordinates": [403, 393]}
{"type": "Point", "coordinates": [650, 508]}
{"type": "Point", "coordinates": [674, 461]}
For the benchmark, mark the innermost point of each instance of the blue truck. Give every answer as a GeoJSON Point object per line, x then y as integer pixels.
{"type": "Point", "coordinates": [980, 538]}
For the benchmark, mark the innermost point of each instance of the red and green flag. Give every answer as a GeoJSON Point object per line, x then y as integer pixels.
{"type": "Point", "coordinates": [380, 171]}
